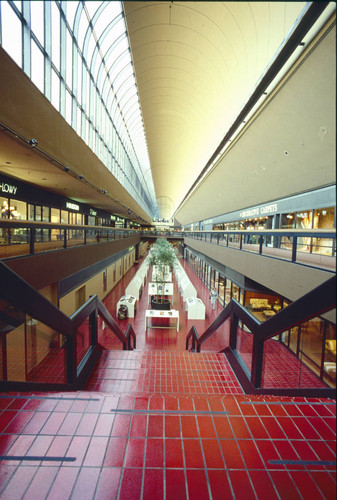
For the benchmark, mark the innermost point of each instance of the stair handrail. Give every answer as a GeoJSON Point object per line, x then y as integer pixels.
{"type": "Point", "coordinates": [130, 333]}
{"type": "Point", "coordinates": [318, 301]}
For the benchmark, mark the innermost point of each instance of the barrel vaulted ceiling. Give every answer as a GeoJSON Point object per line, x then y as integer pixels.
{"type": "Point", "coordinates": [196, 65]}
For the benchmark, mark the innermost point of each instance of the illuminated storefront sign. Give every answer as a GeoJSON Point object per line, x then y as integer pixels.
{"type": "Point", "coordinates": [93, 212]}
{"type": "Point", "coordinates": [8, 188]}
{"type": "Point", "coordinates": [258, 211]}
{"type": "Point", "coordinates": [72, 206]}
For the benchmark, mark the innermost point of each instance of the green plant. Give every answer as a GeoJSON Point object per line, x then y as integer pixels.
{"type": "Point", "coordinates": [162, 254]}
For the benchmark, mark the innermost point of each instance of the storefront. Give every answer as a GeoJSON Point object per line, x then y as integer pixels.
{"type": "Point", "coordinates": [21, 201]}
{"type": "Point", "coordinates": [313, 342]}
{"type": "Point", "coordinates": [312, 210]}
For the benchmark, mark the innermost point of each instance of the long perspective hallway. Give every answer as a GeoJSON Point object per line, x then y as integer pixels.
{"type": "Point", "coordinates": [164, 423]}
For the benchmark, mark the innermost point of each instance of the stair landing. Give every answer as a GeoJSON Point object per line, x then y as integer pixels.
{"type": "Point", "coordinates": [164, 372]}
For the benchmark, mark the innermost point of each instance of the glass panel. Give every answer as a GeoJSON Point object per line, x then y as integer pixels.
{"type": "Point", "coordinates": [11, 33]}
{"type": "Point", "coordinates": [45, 353]}
{"type": "Point", "coordinates": [82, 340]}
{"type": "Point", "coordinates": [55, 25]}
{"type": "Point", "coordinates": [69, 59]}
{"type": "Point", "coordinates": [37, 75]}
{"type": "Point", "coordinates": [34, 352]}
{"type": "Point", "coordinates": [311, 344]}
{"type": "Point", "coordinates": [37, 20]}
{"type": "Point", "coordinates": [244, 345]}
{"type": "Point", "coordinates": [4, 208]}
{"type": "Point", "coordinates": [71, 8]}
{"type": "Point", "coordinates": [329, 364]}
{"type": "Point", "coordinates": [68, 107]}
{"type": "Point", "coordinates": [282, 369]}
{"type": "Point", "coordinates": [55, 91]}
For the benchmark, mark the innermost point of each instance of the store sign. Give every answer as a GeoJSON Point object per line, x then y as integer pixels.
{"type": "Point", "coordinates": [8, 188]}
{"type": "Point", "coordinates": [112, 217]}
{"type": "Point", "coordinates": [92, 212]}
{"type": "Point", "coordinates": [258, 211]}
{"type": "Point", "coordinates": [72, 206]}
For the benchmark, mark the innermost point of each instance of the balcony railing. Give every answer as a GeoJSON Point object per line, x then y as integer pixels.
{"type": "Point", "coordinates": [312, 247]}
{"type": "Point", "coordinates": [19, 237]}
{"type": "Point", "coordinates": [43, 349]}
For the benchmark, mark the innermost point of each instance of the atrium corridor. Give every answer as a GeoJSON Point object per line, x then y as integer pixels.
{"type": "Point", "coordinates": [164, 423]}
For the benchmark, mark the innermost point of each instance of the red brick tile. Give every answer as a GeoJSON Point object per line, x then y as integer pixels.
{"type": "Point", "coordinates": [285, 450]}
{"type": "Point", "coordinates": [222, 426]}
{"type": "Point", "coordinates": [155, 426]}
{"type": "Point", "coordinates": [154, 453]}
{"type": "Point", "coordinates": [86, 482]}
{"type": "Point", "coordinates": [250, 454]}
{"type": "Point", "coordinates": [59, 446]}
{"type": "Point", "coordinates": [305, 485]}
{"type": "Point", "coordinates": [153, 488]}
{"type": "Point", "coordinates": [115, 452]}
{"type": "Point", "coordinates": [241, 485]}
{"type": "Point", "coordinates": [256, 428]}
{"type": "Point", "coordinates": [87, 424]}
{"type": "Point", "coordinates": [173, 453]}
{"type": "Point", "coordinates": [206, 427]}
{"type": "Point", "coordinates": [193, 453]}
{"type": "Point", "coordinates": [273, 428]}
{"type": "Point", "coordinates": [53, 423]}
{"type": "Point", "coordinates": [138, 426]}
{"type": "Point", "coordinates": [197, 484]}
{"type": "Point", "coordinates": [104, 424]}
{"type": "Point", "coordinates": [324, 431]}
{"type": "Point", "coordinates": [231, 454]}
{"type": "Point", "coordinates": [189, 426]}
{"type": "Point", "coordinates": [325, 483]}
{"type": "Point", "coordinates": [172, 426]}
{"type": "Point", "coordinates": [212, 454]}
{"type": "Point", "coordinates": [19, 422]}
{"type": "Point", "coordinates": [268, 452]}
{"type": "Point", "coordinates": [96, 451]}
{"type": "Point", "coordinates": [219, 484]}
{"type": "Point", "coordinates": [284, 485]}
{"type": "Point", "coordinates": [70, 424]}
{"type": "Point", "coordinates": [135, 453]}
{"type": "Point", "coordinates": [303, 450]}
{"type": "Point", "coordinates": [78, 448]}
{"type": "Point", "coordinates": [175, 485]}
{"type": "Point", "coordinates": [36, 423]}
{"type": "Point", "coordinates": [263, 485]}
{"type": "Point", "coordinates": [41, 483]}
{"type": "Point", "coordinates": [18, 483]}
{"type": "Point", "coordinates": [108, 484]}
{"type": "Point", "coordinates": [131, 484]}
{"type": "Point", "coordinates": [121, 425]}
{"type": "Point", "coordinates": [239, 427]}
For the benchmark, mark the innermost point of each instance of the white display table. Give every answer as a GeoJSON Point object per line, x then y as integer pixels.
{"type": "Point", "coordinates": [130, 302]}
{"type": "Point", "coordinates": [134, 288]}
{"type": "Point", "coordinates": [159, 289]}
{"type": "Point", "coordinates": [195, 308]}
{"type": "Point", "coordinates": [153, 313]}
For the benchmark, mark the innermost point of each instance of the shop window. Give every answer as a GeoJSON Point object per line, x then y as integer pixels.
{"type": "Point", "coordinates": [55, 215]}
{"type": "Point", "coordinates": [288, 221]}
{"type": "Point", "coordinates": [31, 212]}
{"type": "Point", "coordinates": [311, 343]}
{"type": "Point", "coordinates": [4, 206]}
{"type": "Point", "coordinates": [64, 217]}
{"type": "Point", "coordinates": [228, 291]}
{"type": "Point", "coordinates": [329, 364]}
{"type": "Point", "coordinates": [304, 219]}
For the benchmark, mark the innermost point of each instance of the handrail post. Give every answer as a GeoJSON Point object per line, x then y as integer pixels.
{"type": "Point", "coordinates": [241, 235]}
{"type": "Point", "coordinates": [93, 327]}
{"type": "Point", "coordinates": [65, 238]}
{"type": "Point", "coordinates": [294, 250]}
{"type": "Point", "coordinates": [71, 361]}
{"type": "Point", "coordinates": [32, 240]}
{"type": "Point", "coordinates": [257, 362]}
{"type": "Point", "coordinates": [233, 332]}
{"type": "Point", "coordinates": [261, 244]}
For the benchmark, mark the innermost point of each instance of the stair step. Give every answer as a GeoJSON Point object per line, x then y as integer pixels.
{"type": "Point", "coordinates": [163, 372]}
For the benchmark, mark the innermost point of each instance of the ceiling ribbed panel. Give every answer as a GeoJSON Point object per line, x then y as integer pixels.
{"type": "Point", "coordinates": [196, 65]}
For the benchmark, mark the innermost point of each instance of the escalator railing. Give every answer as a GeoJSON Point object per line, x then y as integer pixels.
{"type": "Point", "coordinates": [42, 348]}
{"type": "Point", "coordinates": [252, 345]}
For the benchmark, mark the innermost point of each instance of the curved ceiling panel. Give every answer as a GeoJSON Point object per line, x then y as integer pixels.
{"type": "Point", "coordinates": [196, 65]}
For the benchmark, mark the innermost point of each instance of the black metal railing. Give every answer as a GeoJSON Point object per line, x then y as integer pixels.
{"type": "Point", "coordinates": [314, 303]}
{"type": "Point", "coordinates": [313, 247]}
{"type": "Point", "coordinates": [19, 237]}
{"type": "Point", "coordinates": [49, 349]}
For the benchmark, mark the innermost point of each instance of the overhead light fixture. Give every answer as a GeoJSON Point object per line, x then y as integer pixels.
{"type": "Point", "coordinates": [81, 177]}
{"type": "Point", "coordinates": [66, 169]}
{"type": "Point", "coordinates": [33, 143]}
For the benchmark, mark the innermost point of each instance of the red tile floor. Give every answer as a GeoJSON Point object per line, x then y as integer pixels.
{"type": "Point", "coordinates": [162, 423]}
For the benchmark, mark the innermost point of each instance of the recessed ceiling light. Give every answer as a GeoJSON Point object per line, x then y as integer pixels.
{"type": "Point", "coordinates": [9, 162]}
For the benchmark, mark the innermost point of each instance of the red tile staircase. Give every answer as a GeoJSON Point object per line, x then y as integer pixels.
{"type": "Point", "coordinates": [165, 425]}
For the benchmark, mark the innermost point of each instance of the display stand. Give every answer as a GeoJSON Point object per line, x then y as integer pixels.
{"type": "Point", "coordinates": [195, 308]}
{"type": "Point", "coordinates": [130, 302]}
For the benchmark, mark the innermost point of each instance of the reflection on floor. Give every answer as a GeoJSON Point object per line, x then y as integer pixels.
{"type": "Point", "coordinates": [160, 423]}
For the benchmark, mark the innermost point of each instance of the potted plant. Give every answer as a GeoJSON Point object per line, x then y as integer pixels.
{"type": "Point", "coordinates": [163, 256]}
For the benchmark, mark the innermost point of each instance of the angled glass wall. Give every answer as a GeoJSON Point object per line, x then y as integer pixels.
{"type": "Point", "coordinates": [78, 55]}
